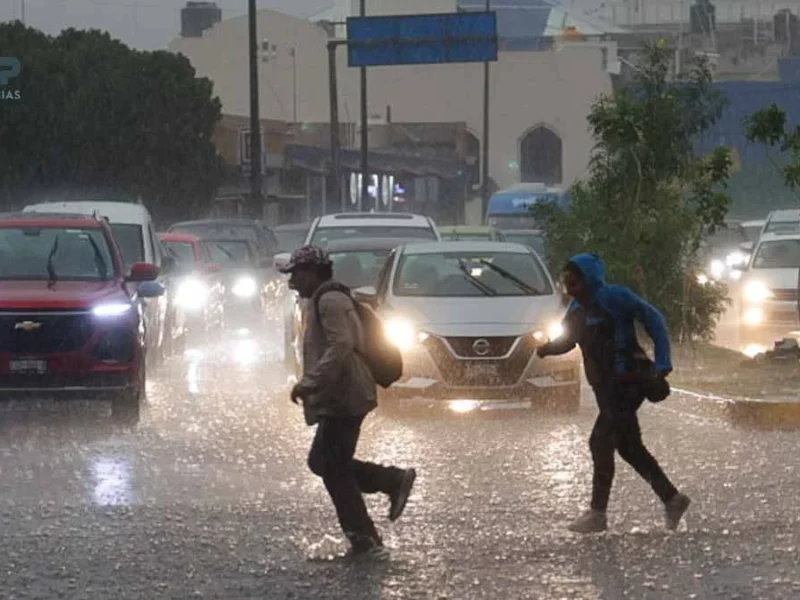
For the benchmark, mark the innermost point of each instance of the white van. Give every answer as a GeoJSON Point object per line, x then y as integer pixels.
{"type": "Point", "coordinates": [136, 237]}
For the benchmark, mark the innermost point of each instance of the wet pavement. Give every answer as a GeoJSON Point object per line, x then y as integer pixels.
{"type": "Point", "coordinates": [210, 497]}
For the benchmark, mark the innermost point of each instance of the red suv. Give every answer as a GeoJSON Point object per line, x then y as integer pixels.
{"type": "Point", "coordinates": [70, 323]}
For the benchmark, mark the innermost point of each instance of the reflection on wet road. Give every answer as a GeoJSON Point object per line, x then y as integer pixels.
{"type": "Point", "coordinates": [210, 497]}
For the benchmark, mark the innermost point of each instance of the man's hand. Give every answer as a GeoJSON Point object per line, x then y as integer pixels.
{"type": "Point", "coordinates": [298, 393]}
{"type": "Point", "coordinates": [543, 351]}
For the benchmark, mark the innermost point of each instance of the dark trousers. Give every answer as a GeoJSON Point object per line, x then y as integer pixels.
{"type": "Point", "coordinates": [617, 429]}
{"type": "Point", "coordinates": [345, 478]}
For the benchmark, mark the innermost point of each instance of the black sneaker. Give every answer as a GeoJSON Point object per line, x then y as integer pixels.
{"type": "Point", "coordinates": [399, 497]}
{"type": "Point", "coordinates": [675, 509]}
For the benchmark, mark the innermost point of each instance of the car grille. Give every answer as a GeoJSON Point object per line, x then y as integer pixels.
{"type": "Point", "coordinates": [492, 346]}
{"type": "Point", "coordinates": [57, 332]}
{"type": "Point", "coordinates": [472, 373]}
{"type": "Point", "coordinates": [60, 381]}
{"type": "Point", "coordinates": [784, 295]}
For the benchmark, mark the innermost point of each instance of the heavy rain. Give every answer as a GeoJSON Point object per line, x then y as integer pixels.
{"type": "Point", "coordinates": [502, 302]}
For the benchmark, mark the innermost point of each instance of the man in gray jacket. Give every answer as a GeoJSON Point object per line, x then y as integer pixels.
{"type": "Point", "coordinates": [338, 391]}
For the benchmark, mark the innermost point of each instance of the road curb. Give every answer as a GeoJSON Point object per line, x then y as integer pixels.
{"type": "Point", "coordinates": [749, 413]}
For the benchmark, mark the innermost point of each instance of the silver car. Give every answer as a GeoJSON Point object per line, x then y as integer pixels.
{"type": "Point", "coordinates": [468, 317]}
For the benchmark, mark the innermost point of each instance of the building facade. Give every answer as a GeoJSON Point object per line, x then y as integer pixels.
{"type": "Point", "coordinates": [425, 121]}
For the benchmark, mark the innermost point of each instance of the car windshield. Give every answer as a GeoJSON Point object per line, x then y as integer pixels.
{"type": "Point", "coordinates": [358, 269]}
{"type": "Point", "coordinates": [183, 252]}
{"type": "Point", "coordinates": [781, 254]}
{"type": "Point", "coordinates": [219, 230]}
{"type": "Point", "coordinates": [53, 253]}
{"type": "Point", "coordinates": [323, 235]}
{"type": "Point", "coordinates": [727, 237]}
{"type": "Point", "coordinates": [227, 252]}
{"type": "Point", "coordinates": [752, 232]}
{"type": "Point", "coordinates": [130, 241]}
{"type": "Point", "coordinates": [290, 240]}
{"type": "Point", "coordinates": [467, 274]}
{"type": "Point", "coordinates": [783, 227]}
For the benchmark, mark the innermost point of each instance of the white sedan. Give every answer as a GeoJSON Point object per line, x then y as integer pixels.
{"type": "Point", "coordinates": [468, 317]}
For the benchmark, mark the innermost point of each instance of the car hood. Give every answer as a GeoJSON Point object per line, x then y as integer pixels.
{"type": "Point", "coordinates": [483, 316]}
{"type": "Point", "coordinates": [778, 279]}
{"type": "Point", "coordinates": [71, 295]}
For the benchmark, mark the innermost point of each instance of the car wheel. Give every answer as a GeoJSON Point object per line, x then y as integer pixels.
{"type": "Point", "coordinates": [126, 408]}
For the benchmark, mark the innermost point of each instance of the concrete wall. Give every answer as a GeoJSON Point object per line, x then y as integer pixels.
{"type": "Point", "coordinates": [554, 88]}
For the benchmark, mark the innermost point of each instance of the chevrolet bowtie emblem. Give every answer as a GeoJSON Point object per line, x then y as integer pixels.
{"type": "Point", "coordinates": [27, 326]}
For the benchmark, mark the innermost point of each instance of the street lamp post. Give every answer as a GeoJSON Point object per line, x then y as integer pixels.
{"type": "Point", "coordinates": [364, 129]}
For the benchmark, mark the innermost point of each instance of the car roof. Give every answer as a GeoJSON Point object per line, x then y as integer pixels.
{"type": "Point", "coordinates": [374, 219]}
{"type": "Point", "coordinates": [226, 221]}
{"type": "Point", "coordinates": [51, 220]}
{"type": "Point", "coordinates": [789, 215]}
{"type": "Point", "coordinates": [365, 244]}
{"type": "Point", "coordinates": [467, 229]}
{"type": "Point", "coordinates": [467, 246]}
{"type": "Point", "coordinates": [116, 212]}
{"type": "Point", "coordinates": [777, 237]}
{"type": "Point", "coordinates": [186, 238]}
{"type": "Point", "coordinates": [292, 227]}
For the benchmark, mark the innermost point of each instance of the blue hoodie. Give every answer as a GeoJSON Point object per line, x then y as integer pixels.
{"type": "Point", "coordinates": [621, 308]}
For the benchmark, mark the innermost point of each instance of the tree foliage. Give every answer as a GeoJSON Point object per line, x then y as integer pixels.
{"type": "Point", "coordinates": [769, 126]}
{"type": "Point", "coordinates": [95, 116]}
{"type": "Point", "coordinates": [649, 201]}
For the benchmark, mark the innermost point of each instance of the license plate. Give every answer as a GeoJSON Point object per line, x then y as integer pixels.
{"type": "Point", "coordinates": [27, 366]}
{"type": "Point", "coordinates": [484, 371]}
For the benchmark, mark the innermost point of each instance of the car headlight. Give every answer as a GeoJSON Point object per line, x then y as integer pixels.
{"type": "Point", "coordinates": [553, 332]}
{"type": "Point", "coordinates": [736, 258]}
{"type": "Point", "coordinates": [245, 287]}
{"type": "Point", "coordinates": [754, 316]}
{"type": "Point", "coordinates": [716, 269]}
{"type": "Point", "coordinates": [403, 334]}
{"type": "Point", "coordinates": [114, 309]}
{"type": "Point", "coordinates": [191, 294]}
{"type": "Point", "coordinates": [757, 292]}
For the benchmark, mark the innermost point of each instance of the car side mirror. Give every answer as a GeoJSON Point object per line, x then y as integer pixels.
{"type": "Point", "coordinates": [281, 261]}
{"type": "Point", "coordinates": [367, 295]}
{"type": "Point", "coordinates": [746, 247]}
{"type": "Point", "coordinates": [150, 289]}
{"type": "Point", "coordinates": [141, 272]}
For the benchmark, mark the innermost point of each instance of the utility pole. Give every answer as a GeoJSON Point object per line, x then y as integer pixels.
{"type": "Point", "coordinates": [364, 129]}
{"type": "Point", "coordinates": [23, 12]}
{"type": "Point", "coordinates": [485, 151]}
{"type": "Point", "coordinates": [336, 143]}
{"type": "Point", "coordinates": [256, 203]}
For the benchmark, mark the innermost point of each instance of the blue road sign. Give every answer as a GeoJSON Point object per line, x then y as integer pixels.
{"type": "Point", "coordinates": [422, 39]}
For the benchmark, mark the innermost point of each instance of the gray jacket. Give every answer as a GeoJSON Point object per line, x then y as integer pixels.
{"type": "Point", "coordinates": [338, 380]}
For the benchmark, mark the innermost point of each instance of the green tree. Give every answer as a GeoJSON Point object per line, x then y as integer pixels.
{"type": "Point", "coordinates": [769, 126]}
{"type": "Point", "coordinates": [96, 117]}
{"type": "Point", "coordinates": [649, 201]}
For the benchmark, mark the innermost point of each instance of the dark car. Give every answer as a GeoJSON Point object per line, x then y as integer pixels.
{"type": "Point", "coordinates": [71, 321]}
{"type": "Point", "coordinates": [356, 263]}
{"type": "Point", "coordinates": [262, 239]}
{"type": "Point", "coordinates": [199, 294]}
{"type": "Point", "coordinates": [247, 289]}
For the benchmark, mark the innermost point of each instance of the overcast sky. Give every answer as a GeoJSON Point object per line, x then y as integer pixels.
{"type": "Point", "coordinates": [146, 24]}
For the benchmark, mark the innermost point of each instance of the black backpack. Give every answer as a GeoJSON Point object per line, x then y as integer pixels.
{"type": "Point", "coordinates": [383, 358]}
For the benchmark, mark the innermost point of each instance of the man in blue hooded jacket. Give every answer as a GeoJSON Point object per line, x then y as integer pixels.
{"type": "Point", "coordinates": [601, 320]}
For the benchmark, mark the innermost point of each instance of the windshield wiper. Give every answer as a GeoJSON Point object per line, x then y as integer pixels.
{"type": "Point", "coordinates": [487, 290]}
{"type": "Point", "coordinates": [99, 262]}
{"type": "Point", "coordinates": [51, 271]}
{"type": "Point", "coordinates": [511, 277]}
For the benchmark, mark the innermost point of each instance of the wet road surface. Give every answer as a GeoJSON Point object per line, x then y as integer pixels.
{"type": "Point", "coordinates": [210, 497]}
